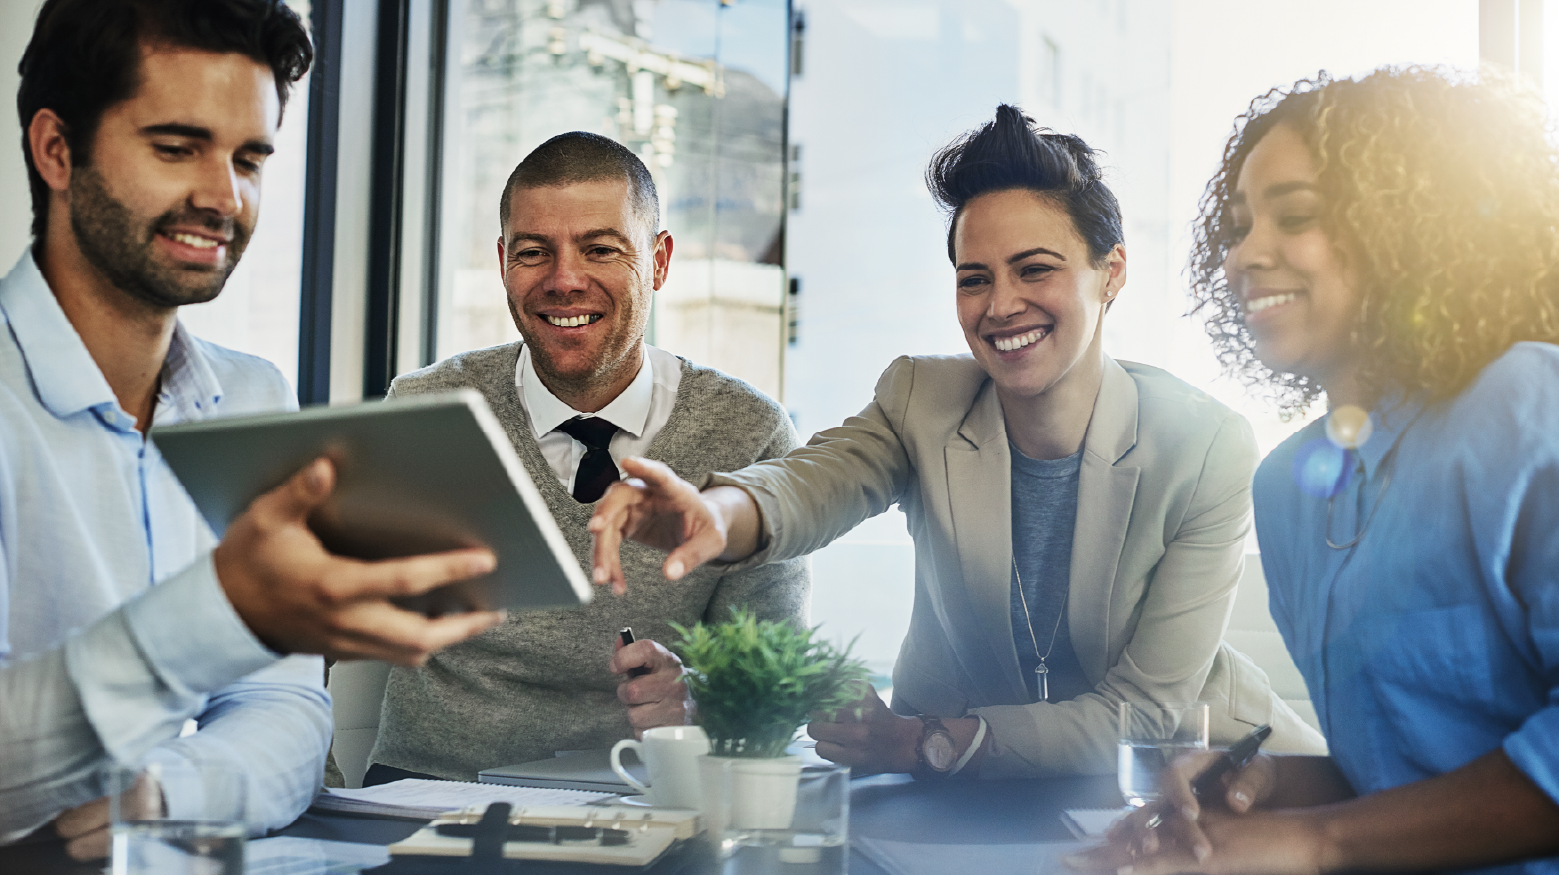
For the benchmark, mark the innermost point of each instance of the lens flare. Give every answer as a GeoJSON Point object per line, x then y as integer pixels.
{"type": "Point", "coordinates": [1348, 427]}
{"type": "Point", "coordinates": [1323, 469]}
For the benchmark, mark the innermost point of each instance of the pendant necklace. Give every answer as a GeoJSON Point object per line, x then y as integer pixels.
{"type": "Point", "coordinates": [1041, 670]}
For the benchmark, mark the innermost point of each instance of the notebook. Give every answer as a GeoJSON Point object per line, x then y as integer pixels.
{"type": "Point", "coordinates": [1090, 824]}
{"type": "Point", "coordinates": [577, 770]}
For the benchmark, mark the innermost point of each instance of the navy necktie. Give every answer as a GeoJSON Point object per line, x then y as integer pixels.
{"type": "Point", "coordinates": [596, 471]}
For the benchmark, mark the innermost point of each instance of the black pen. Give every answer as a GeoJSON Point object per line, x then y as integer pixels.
{"type": "Point", "coordinates": [1236, 757]}
{"type": "Point", "coordinates": [626, 635]}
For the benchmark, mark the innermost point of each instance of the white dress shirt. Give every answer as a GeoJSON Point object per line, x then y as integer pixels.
{"type": "Point", "coordinates": [639, 413]}
{"type": "Point", "coordinates": [113, 627]}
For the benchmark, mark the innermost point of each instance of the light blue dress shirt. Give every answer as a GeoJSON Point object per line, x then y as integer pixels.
{"type": "Point", "coordinates": [113, 628]}
{"type": "Point", "coordinates": [1435, 639]}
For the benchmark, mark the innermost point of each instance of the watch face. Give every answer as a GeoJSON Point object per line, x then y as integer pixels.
{"type": "Point", "coordinates": [939, 751]}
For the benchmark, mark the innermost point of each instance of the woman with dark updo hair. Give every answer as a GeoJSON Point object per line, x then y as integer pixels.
{"type": "Point", "coordinates": [1079, 522]}
{"type": "Point", "coordinates": [1391, 242]}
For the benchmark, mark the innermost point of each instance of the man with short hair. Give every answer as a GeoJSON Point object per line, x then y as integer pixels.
{"type": "Point", "coordinates": [581, 256]}
{"type": "Point", "coordinates": [146, 125]}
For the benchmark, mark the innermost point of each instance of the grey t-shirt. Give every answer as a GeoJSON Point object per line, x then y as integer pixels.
{"type": "Point", "coordinates": [1044, 513]}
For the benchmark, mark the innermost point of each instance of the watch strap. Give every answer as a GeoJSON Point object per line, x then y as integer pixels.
{"type": "Point", "coordinates": [974, 745]}
{"type": "Point", "coordinates": [929, 727]}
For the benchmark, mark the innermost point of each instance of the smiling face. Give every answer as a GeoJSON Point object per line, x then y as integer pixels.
{"type": "Point", "coordinates": [580, 267]}
{"type": "Point", "coordinates": [167, 202]}
{"type": "Point", "coordinates": [1029, 297]}
{"type": "Point", "coordinates": [1299, 297]}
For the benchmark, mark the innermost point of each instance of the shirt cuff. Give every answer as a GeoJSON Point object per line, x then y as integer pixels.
{"type": "Point", "coordinates": [768, 510]}
{"type": "Point", "coordinates": [1531, 749]}
{"type": "Point", "coordinates": [190, 634]}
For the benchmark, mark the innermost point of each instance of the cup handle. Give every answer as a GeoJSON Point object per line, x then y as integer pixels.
{"type": "Point", "coordinates": [617, 765]}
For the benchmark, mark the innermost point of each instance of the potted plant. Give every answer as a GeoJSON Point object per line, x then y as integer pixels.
{"type": "Point", "coordinates": [755, 683]}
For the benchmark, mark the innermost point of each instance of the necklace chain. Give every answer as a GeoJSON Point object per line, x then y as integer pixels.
{"type": "Point", "coordinates": [1042, 669]}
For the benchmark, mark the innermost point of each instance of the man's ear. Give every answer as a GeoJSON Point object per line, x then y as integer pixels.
{"type": "Point", "coordinates": [50, 151]}
{"type": "Point", "coordinates": [500, 257]}
{"type": "Point", "coordinates": [662, 256]}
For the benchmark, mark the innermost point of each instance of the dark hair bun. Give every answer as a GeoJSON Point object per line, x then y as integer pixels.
{"type": "Point", "coordinates": [1012, 152]}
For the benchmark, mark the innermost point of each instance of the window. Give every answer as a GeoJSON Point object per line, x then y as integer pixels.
{"type": "Point", "coordinates": [257, 311]}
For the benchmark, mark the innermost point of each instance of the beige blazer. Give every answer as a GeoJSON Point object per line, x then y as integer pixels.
{"type": "Point", "coordinates": [1163, 511]}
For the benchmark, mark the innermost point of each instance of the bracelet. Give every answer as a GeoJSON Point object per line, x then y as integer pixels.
{"type": "Point", "coordinates": [979, 736]}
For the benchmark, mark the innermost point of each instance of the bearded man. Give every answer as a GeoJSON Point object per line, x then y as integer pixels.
{"type": "Point", "coordinates": [147, 124]}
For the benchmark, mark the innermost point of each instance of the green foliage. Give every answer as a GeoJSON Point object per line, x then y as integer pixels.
{"type": "Point", "coordinates": [756, 681]}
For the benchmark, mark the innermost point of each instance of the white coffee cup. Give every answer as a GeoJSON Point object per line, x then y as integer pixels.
{"type": "Point", "coordinates": [670, 755]}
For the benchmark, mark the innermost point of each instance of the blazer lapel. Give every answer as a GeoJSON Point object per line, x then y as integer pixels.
{"type": "Point", "coordinates": [979, 487]}
{"type": "Point", "coordinates": [1105, 493]}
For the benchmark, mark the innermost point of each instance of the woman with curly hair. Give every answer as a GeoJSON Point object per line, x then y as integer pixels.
{"type": "Point", "coordinates": [1391, 242]}
{"type": "Point", "coordinates": [1074, 547]}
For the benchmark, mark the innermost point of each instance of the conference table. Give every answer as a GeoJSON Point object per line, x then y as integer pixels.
{"type": "Point", "coordinates": [966, 820]}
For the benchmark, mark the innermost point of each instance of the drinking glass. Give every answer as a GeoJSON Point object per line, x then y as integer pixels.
{"type": "Point", "coordinates": [1152, 735]}
{"type": "Point", "coordinates": [178, 819]}
{"type": "Point", "coordinates": [768, 816]}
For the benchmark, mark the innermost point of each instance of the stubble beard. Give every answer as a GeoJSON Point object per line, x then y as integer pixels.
{"type": "Point", "coordinates": [615, 356]}
{"type": "Point", "coordinates": [115, 243]}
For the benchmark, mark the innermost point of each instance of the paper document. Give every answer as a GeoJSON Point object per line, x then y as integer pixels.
{"type": "Point", "coordinates": [1090, 824]}
{"type": "Point", "coordinates": [417, 799]}
{"type": "Point", "coordinates": [914, 858]}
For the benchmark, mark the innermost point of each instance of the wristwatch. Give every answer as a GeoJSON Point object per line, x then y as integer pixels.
{"type": "Point", "coordinates": [935, 752]}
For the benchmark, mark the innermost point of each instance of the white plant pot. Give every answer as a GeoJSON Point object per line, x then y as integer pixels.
{"type": "Point", "coordinates": [743, 794]}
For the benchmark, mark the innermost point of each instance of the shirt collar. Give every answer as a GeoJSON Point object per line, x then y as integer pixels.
{"type": "Point", "coordinates": [629, 411]}
{"type": "Point", "coordinates": [190, 388]}
{"type": "Point", "coordinates": [63, 373]}
{"type": "Point", "coordinates": [1389, 421]}
{"type": "Point", "coordinates": [67, 379]}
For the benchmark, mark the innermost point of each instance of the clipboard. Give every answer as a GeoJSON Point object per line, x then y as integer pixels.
{"type": "Point", "coordinates": [639, 836]}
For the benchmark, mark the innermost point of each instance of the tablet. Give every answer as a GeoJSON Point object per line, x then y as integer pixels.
{"type": "Point", "coordinates": [413, 475]}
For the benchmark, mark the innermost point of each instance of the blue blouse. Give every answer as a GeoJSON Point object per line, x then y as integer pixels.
{"type": "Point", "coordinates": [1434, 639]}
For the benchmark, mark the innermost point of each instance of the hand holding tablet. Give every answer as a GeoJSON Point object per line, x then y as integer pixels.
{"type": "Point", "coordinates": [341, 522]}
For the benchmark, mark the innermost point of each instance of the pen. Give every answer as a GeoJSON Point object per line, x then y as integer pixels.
{"type": "Point", "coordinates": [626, 635]}
{"type": "Point", "coordinates": [1236, 757]}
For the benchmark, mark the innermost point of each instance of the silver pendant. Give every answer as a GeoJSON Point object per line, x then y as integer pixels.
{"type": "Point", "coordinates": [1044, 680]}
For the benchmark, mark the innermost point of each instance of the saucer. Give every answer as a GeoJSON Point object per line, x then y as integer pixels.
{"type": "Point", "coordinates": [637, 800]}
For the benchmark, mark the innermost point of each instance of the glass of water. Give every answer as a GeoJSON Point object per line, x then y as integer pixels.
{"type": "Point", "coordinates": [178, 818]}
{"type": "Point", "coordinates": [1152, 735]}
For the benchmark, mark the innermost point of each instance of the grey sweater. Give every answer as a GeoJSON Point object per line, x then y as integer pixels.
{"type": "Point", "coordinates": [538, 683]}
